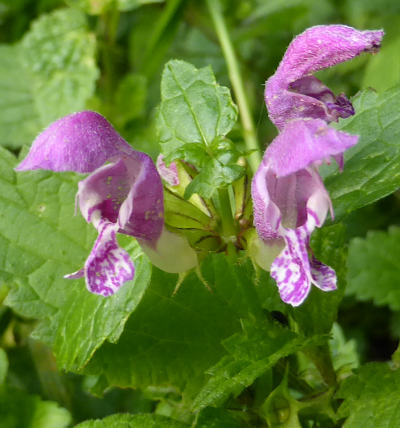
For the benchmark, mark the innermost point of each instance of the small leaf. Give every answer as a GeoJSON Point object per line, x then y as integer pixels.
{"type": "Point", "coordinates": [371, 397]}
{"type": "Point", "coordinates": [374, 268]}
{"type": "Point", "coordinates": [194, 108]}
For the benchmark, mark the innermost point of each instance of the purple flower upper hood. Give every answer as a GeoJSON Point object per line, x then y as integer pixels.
{"type": "Point", "coordinates": [293, 93]}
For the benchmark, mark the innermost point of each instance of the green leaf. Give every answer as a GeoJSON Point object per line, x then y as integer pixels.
{"type": "Point", "coordinates": [372, 167]}
{"type": "Point", "coordinates": [317, 314]}
{"type": "Point", "coordinates": [214, 175]}
{"type": "Point", "coordinates": [40, 241]}
{"type": "Point", "coordinates": [218, 418]}
{"type": "Point", "coordinates": [130, 99]}
{"type": "Point", "coordinates": [18, 409]}
{"type": "Point", "coordinates": [194, 108]}
{"type": "Point", "coordinates": [171, 339]}
{"type": "Point", "coordinates": [374, 269]}
{"type": "Point", "coordinates": [371, 397]}
{"type": "Point", "coordinates": [133, 421]}
{"type": "Point", "coordinates": [250, 354]}
{"type": "Point", "coordinates": [49, 74]}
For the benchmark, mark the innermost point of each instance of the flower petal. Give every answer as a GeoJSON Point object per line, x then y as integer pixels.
{"type": "Point", "coordinates": [80, 142]}
{"type": "Point", "coordinates": [323, 276]}
{"type": "Point", "coordinates": [128, 192]}
{"type": "Point", "coordinates": [292, 269]}
{"type": "Point", "coordinates": [303, 142]}
{"type": "Point", "coordinates": [281, 202]}
{"type": "Point", "coordinates": [167, 173]}
{"type": "Point", "coordinates": [315, 49]}
{"type": "Point", "coordinates": [108, 266]}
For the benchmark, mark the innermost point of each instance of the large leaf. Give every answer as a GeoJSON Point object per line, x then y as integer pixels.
{"type": "Point", "coordinates": [171, 339]}
{"type": "Point", "coordinates": [49, 74]}
{"type": "Point", "coordinates": [41, 240]}
{"type": "Point", "coordinates": [250, 354]}
{"type": "Point", "coordinates": [371, 397]}
{"type": "Point", "coordinates": [374, 268]}
{"type": "Point", "coordinates": [372, 167]}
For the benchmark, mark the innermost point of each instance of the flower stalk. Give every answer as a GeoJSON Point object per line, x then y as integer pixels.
{"type": "Point", "coordinates": [249, 131]}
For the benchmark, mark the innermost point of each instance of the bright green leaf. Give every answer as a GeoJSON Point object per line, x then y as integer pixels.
{"type": "Point", "coordinates": [374, 268]}
{"type": "Point", "coordinates": [49, 74]}
{"type": "Point", "coordinates": [194, 108]}
{"type": "Point", "coordinates": [371, 397]}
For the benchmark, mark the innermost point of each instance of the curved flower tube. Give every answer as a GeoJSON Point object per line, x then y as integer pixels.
{"type": "Point", "coordinates": [290, 201]}
{"type": "Point", "coordinates": [293, 92]}
{"type": "Point", "coordinates": [289, 197]}
{"type": "Point", "coordinates": [123, 196]}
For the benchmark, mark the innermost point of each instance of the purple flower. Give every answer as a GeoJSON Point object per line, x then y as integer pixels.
{"type": "Point", "coordinates": [292, 92]}
{"type": "Point", "coordinates": [123, 196]}
{"type": "Point", "coordinates": [289, 197]}
{"type": "Point", "coordinates": [290, 200]}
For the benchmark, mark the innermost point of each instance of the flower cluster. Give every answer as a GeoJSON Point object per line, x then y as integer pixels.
{"type": "Point", "coordinates": [289, 197]}
{"type": "Point", "coordinates": [125, 195]}
{"type": "Point", "coordinates": [124, 191]}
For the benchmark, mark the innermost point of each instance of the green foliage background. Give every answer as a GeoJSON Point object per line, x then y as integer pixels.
{"type": "Point", "coordinates": [218, 352]}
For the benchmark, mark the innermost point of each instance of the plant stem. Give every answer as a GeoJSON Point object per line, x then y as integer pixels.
{"type": "Point", "coordinates": [250, 137]}
{"type": "Point", "coordinates": [227, 221]}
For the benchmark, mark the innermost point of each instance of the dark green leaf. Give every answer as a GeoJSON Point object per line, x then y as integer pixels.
{"type": "Point", "coordinates": [250, 354]}
{"type": "Point", "coordinates": [133, 421]}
